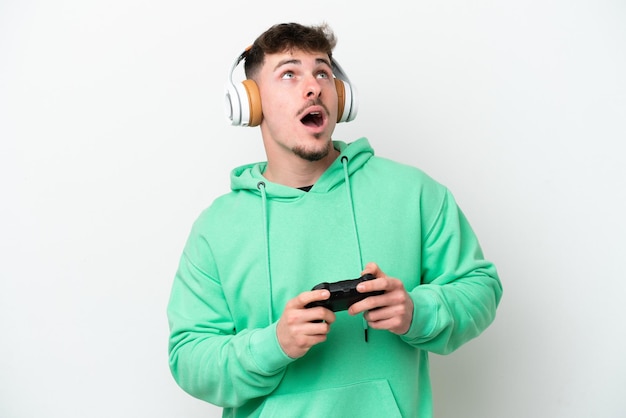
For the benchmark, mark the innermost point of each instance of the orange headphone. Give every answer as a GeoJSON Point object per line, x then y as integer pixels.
{"type": "Point", "coordinates": [243, 101]}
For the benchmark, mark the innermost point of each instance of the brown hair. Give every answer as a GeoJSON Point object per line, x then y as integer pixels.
{"type": "Point", "coordinates": [289, 36]}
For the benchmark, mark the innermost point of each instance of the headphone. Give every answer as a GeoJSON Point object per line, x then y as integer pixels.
{"type": "Point", "coordinates": [243, 100]}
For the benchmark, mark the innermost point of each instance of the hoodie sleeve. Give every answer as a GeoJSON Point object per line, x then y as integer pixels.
{"type": "Point", "coordinates": [209, 358]}
{"type": "Point", "coordinates": [460, 290]}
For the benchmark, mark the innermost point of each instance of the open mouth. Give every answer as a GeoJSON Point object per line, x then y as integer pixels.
{"type": "Point", "coordinates": [313, 119]}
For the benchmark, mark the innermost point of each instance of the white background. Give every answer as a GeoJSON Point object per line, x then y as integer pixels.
{"type": "Point", "coordinates": [113, 138]}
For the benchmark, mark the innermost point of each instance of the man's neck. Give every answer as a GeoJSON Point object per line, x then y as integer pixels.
{"type": "Point", "coordinates": [297, 172]}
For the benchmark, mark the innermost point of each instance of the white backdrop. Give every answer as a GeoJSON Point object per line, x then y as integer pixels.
{"type": "Point", "coordinates": [113, 138]}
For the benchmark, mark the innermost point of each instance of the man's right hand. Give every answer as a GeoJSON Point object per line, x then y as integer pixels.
{"type": "Point", "coordinates": [300, 328]}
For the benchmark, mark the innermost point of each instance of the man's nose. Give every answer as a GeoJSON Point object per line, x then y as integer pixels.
{"type": "Point", "coordinates": [312, 88]}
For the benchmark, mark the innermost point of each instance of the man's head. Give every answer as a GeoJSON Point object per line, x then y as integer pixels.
{"type": "Point", "coordinates": [291, 66]}
{"type": "Point", "coordinates": [243, 101]}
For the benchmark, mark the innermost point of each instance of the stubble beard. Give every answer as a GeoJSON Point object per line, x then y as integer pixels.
{"type": "Point", "coordinates": [312, 155]}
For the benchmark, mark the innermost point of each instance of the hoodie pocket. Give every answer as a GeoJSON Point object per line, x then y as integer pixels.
{"type": "Point", "coordinates": [366, 399]}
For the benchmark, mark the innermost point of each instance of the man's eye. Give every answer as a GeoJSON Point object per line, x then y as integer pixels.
{"type": "Point", "coordinates": [323, 74]}
{"type": "Point", "coordinates": [288, 75]}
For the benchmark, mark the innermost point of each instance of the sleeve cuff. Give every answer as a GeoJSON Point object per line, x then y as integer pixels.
{"type": "Point", "coordinates": [425, 313]}
{"type": "Point", "coordinates": [266, 351]}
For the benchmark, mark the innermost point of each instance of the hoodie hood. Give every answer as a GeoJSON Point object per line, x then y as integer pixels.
{"type": "Point", "coordinates": [247, 177]}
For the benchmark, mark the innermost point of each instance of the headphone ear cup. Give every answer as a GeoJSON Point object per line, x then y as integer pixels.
{"type": "Point", "coordinates": [232, 105]}
{"type": "Point", "coordinates": [254, 102]}
{"type": "Point", "coordinates": [346, 95]}
{"type": "Point", "coordinates": [341, 99]}
{"type": "Point", "coordinates": [346, 103]}
{"type": "Point", "coordinates": [243, 104]}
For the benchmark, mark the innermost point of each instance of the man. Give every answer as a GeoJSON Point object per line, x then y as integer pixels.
{"type": "Point", "coordinates": [243, 333]}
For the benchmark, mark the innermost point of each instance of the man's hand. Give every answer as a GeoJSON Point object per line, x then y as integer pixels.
{"type": "Point", "coordinates": [392, 310]}
{"type": "Point", "coordinates": [300, 328]}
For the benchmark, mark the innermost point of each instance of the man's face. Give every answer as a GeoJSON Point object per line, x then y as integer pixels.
{"type": "Point", "coordinates": [299, 101]}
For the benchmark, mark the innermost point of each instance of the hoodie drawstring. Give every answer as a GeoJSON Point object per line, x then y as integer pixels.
{"type": "Point", "coordinates": [261, 186]}
{"type": "Point", "coordinates": [344, 162]}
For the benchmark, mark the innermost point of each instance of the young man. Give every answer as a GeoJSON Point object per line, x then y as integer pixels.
{"type": "Point", "coordinates": [319, 210]}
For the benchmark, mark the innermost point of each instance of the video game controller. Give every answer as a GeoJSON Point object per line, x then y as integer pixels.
{"type": "Point", "coordinates": [343, 293]}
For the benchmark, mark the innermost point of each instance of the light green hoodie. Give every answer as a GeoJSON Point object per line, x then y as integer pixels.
{"type": "Point", "coordinates": [262, 244]}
